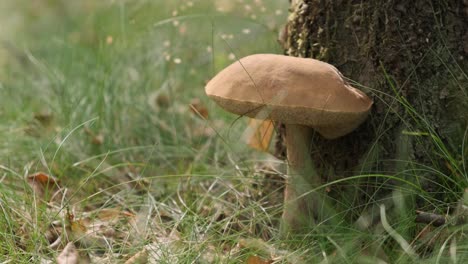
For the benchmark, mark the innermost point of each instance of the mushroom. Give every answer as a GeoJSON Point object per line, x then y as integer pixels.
{"type": "Point", "coordinates": [305, 95]}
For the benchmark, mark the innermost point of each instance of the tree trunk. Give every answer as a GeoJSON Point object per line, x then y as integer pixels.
{"type": "Point", "coordinates": [411, 58]}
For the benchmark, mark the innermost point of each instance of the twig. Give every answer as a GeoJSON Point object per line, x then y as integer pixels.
{"type": "Point", "coordinates": [430, 218]}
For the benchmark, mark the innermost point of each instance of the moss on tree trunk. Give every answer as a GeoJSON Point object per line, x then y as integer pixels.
{"type": "Point", "coordinates": [412, 58]}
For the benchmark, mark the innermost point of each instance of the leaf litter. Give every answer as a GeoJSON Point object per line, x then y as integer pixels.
{"type": "Point", "coordinates": [150, 233]}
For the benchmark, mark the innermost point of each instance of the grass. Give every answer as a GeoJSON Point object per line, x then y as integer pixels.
{"type": "Point", "coordinates": [98, 95]}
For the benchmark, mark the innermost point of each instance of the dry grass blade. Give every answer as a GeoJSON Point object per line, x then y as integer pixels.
{"type": "Point", "coordinates": [393, 233]}
{"type": "Point", "coordinates": [139, 258]}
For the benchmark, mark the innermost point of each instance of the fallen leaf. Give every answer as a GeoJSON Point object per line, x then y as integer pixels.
{"type": "Point", "coordinates": [87, 237]}
{"type": "Point", "coordinates": [259, 134]}
{"type": "Point", "coordinates": [77, 228]}
{"type": "Point", "coordinates": [43, 178]}
{"type": "Point", "coordinates": [197, 108]}
{"type": "Point", "coordinates": [101, 229]}
{"type": "Point", "coordinates": [139, 258]}
{"type": "Point", "coordinates": [71, 255]}
{"type": "Point", "coordinates": [44, 186]}
{"type": "Point", "coordinates": [257, 260]}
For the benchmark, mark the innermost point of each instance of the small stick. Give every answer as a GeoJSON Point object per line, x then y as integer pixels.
{"type": "Point", "coordinates": [430, 218]}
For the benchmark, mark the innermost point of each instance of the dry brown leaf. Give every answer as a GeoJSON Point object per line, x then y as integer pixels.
{"type": "Point", "coordinates": [197, 108]}
{"type": "Point", "coordinates": [43, 178]}
{"type": "Point", "coordinates": [259, 134]}
{"type": "Point", "coordinates": [257, 260]}
{"type": "Point", "coordinates": [45, 187]}
{"type": "Point", "coordinates": [87, 237]}
{"type": "Point", "coordinates": [100, 229]}
{"type": "Point", "coordinates": [77, 228]}
{"type": "Point", "coordinates": [71, 255]}
{"type": "Point", "coordinates": [139, 258]}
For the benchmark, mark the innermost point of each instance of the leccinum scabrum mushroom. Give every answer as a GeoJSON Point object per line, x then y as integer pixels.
{"type": "Point", "coordinates": [303, 94]}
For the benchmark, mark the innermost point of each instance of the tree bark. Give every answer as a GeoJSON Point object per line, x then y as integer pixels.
{"type": "Point", "coordinates": [411, 57]}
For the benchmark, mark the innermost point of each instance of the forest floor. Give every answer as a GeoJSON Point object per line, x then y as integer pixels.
{"type": "Point", "coordinates": [112, 153]}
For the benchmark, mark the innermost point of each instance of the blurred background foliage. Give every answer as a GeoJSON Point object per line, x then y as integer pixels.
{"type": "Point", "coordinates": [126, 71]}
{"type": "Point", "coordinates": [93, 90]}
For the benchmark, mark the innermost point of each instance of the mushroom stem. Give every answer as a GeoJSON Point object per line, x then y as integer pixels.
{"type": "Point", "coordinates": [300, 203]}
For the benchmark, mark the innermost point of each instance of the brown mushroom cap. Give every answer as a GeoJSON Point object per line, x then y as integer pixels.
{"type": "Point", "coordinates": [291, 90]}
